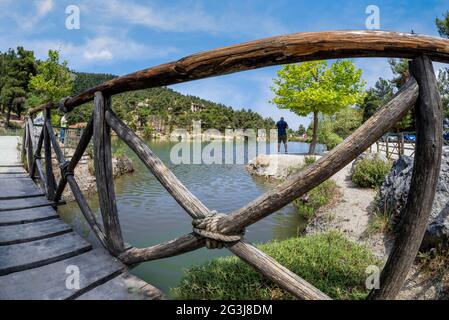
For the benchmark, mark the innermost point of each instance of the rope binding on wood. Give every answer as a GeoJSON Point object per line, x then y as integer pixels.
{"type": "Point", "coordinates": [207, 227]}
{"type": "Point", "coordinates": [64, 169]}
{"type": "Point", "coordinates": [61, 105]}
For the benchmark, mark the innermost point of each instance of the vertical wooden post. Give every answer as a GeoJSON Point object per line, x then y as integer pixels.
{"type": "Point", "coordinates": [29, 147]}
{"type": "Point", "coordinates": [24, 141]}
{"type": "Point", "coordinates": [49, 176]}
{"type": "Point", "coordinates": [415, 217]}
{"type": "Point", "coordinates": [103, 173]}
{"type": "Point", "coordinates": [387, 148]}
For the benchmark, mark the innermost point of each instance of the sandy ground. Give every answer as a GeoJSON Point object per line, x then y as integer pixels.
{"type": "Point", "coordinates": [351, 215]}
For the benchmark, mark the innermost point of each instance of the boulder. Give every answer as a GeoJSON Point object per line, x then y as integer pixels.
{"type": "Point", "coordinates": [276, 166]}
{"type": "Point", "coordinates": [392, 197]}
{"type": "Point", "coordinates": [121, 165]}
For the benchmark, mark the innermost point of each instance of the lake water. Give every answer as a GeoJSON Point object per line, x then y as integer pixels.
{"type": "Point", "coordinates": [149, 215]}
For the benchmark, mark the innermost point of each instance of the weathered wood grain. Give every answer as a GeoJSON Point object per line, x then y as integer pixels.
{"type": "Point", "coordinates": [103, 174]}
{"type": "Point", "coordinates": [49, 176]}
{"type": "Point", "coordinates": [277, 273]}
{"type": "Point", "coordinates": [186, 243]}
{"type": "Point", "coordinates": [328, 165]}
{"type": "Point", "coordinates": [29, 143]}
{"type": "Point", "coordinates": [416, 214]}
{"type": "Point", "coordinates": [285, 192]}
{"type": "Point", "coordinates": [87, 212]}
{"type": "Point", "coordinates": [76, 157]}
{"type": "Point", "coordinates": [12, 170]}
{"type": "Point", "coordinates": [272, 51]}
{"type": "Point", "coordinates": [13, 175]}
{"type": "Point", "coordinates": [124, 287]}
{"type": "Point", "coordinates": [35, 202]}
{"type": "Point", "coordinates": [32, 231]}
{"type": "Point", "coordinates": [15, 217]}
{"type": "Point", "coordinates": [49, 282]}
{"type": "Point", "coordinates": [14, 188]}
{"type": "Point", "coordinates": [193, 206]}
{"type": "Point", "coordinates": [19, 257]}
{"type": "Point", "coordinates": [37, 153]}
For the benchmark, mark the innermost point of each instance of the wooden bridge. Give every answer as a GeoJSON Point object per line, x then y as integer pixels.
{"type": "Point", "coordinates": [38, 249]}
{"type": "Point", "coordinates": [29, 221]}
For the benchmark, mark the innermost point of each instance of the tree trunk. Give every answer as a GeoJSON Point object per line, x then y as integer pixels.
{"type": "Point", "coordinates": [8, 116]}
{"type": "Point", "coordinates": [315, 133]}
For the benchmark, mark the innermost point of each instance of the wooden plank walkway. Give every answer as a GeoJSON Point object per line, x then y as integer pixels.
{"type": "Point", "coordinates": [39, 252]}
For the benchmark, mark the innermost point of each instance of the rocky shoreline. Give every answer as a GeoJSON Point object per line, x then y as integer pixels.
{"type": "Point", "coordinates": [85, 175]}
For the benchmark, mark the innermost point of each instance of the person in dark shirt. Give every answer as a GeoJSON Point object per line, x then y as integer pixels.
{"type": "Point", "coordinates": [282, 127]}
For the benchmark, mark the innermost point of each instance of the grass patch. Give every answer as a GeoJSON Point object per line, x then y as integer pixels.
{"type": "Point", "coordinates": [379, 223]}
{"type": "Point", "coordinates": [435, 265]}
{"type": "Point", "coordinates": [329, 261]}
{"type": "Point", "coordinates": [370, 173]}
{"type": "Point", "coordinates": [308, 205]}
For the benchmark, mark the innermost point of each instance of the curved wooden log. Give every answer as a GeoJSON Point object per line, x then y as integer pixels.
{"type": "Point", "coordinates": [183, 244]}
{"type": "Point", "coordinates": [37, 154]}
{"type": "Point", "coordinates": [77, 155]}
{"type": "Point", "coordinates": [303, 182]}
{"type": "Point", "coordinates": [268, 52]}
{"type": "Point", "coordinates": [328, 165]}
{"type": "Point", "coordinates": [49, 176]}
{"type": "Point", "coordinates": [426, 169]}
{"type": "Point", "coordinates": [277, 273]}
{"type": "Point", "coordinates": [191, 204]}
{"type": "Point", "coordinates": [103, 175]}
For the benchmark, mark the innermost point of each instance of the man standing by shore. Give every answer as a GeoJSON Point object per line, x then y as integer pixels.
{"type": "Point", "coordinates": [282, 127]}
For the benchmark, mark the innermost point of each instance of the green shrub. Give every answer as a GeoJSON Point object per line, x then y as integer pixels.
{"type": "Point", "coordinates": [148, 131]}
{"type": "Point", "coordinates": [308, 160]}
{"type": "Point", "coordinates": [370, 173]}
{"type": "Point", "coordinates": [379, 223]}
{"type": "Point", "coordinates": [307, 205]}
{"type": "Point", "coordinates": [119, 152]}
{"type": "Point", "coordinates": [330, 139]}
{"type": "Point", "coordinates": [328, 261]}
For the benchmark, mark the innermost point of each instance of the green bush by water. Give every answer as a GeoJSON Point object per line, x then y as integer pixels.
{"type": "Point", "coordinates": [307, 205]}
{"type": "Point", "coordinates": [370, 173]}
{"type": "Point", "coordinates": [328, 261]}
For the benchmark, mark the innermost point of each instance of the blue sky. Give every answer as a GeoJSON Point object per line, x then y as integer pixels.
{"type": "Point", "coordinates": [120, 37]}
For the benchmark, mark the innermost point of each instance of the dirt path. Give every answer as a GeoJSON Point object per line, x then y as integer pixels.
{"type": "Point", "coordinates": [351, 215]}
{"type": "Point", "coordinates": [9, 150]}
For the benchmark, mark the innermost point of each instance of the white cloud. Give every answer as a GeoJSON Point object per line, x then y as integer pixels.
{"type": "Point", "coordinates": [28, 20]}
{"type": "Point", "coordinates": [43, 7]}
{"type": "Point", "coordinates": [190, 18]}
{"type": "Point", "coordinates": [98, 50]}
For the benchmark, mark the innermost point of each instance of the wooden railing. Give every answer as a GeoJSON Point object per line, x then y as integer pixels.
{"type": "Point", "coordinates": [394, 146]}
{"type": "Point", "coordinates": [218, 230]}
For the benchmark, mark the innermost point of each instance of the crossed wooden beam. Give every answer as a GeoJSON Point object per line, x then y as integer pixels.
{"type": "Point", "coordinates": [419, 91]}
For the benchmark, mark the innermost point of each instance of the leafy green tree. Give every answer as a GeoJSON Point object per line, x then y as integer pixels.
{"type": "Point", "coordinates": [301, 130]}
{"type": "Point", "coordinates": [383, 91]}
{"type": "Point", "coordinates": [443, 25]}
{"type": "Point", "coordinates": [375, 97]}
{"type": "Point", "coordinates": [314, 87]}
{"type": "Point", "coordinates": [53, 81]}
{"type": "Point", "coordinates": [443, 75]}
{"type": "Point", "coordinates": [16, 69]}
{"type": "Point", "coordinates": [443, 86]}
{"type": "Point", "coordinates": [400, 70]}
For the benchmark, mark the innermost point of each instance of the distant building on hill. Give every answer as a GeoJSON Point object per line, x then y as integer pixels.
{"type": "Point", "coordinates": [195, 107]}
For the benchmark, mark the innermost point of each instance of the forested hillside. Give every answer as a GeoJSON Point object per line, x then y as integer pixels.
{"type": "Point", "coordinates": [163, 109]}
